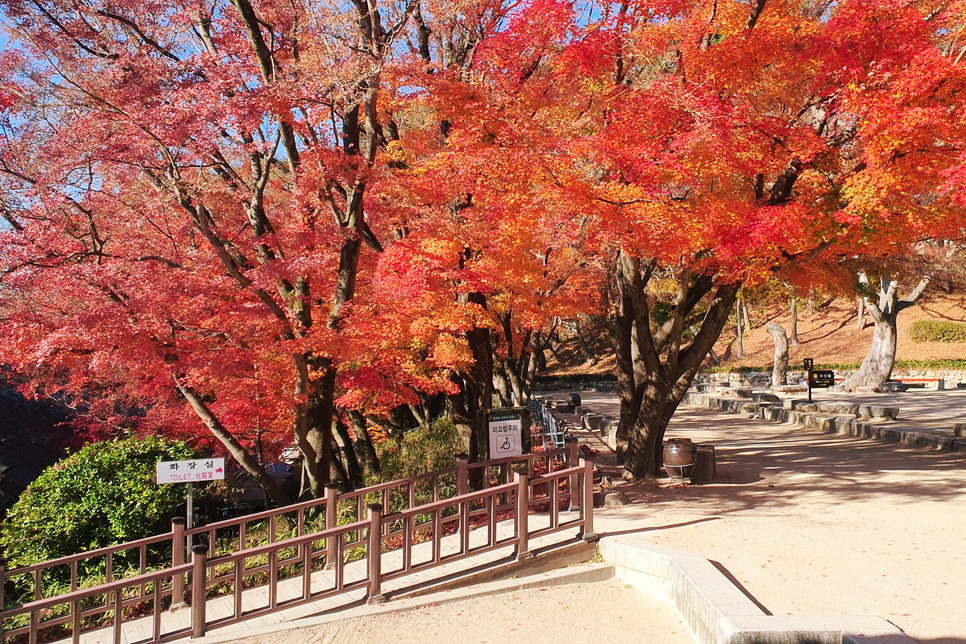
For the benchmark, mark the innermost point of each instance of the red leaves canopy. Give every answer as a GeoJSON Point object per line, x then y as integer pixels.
{"type": "Point", "coordinates": [169, 196]}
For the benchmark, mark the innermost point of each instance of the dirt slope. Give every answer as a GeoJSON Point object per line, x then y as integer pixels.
{"type": "Point", "coordinates": [829, 334]}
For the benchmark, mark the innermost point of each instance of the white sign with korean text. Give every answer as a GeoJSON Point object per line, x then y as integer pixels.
{"type": "Point", "coordinates": [505, 432]}
{"type": "Point", "coordinates": [202, 469]}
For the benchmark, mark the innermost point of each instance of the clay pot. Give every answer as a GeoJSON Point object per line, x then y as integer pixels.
{"type": "Point", "coordinates": [680, 456]}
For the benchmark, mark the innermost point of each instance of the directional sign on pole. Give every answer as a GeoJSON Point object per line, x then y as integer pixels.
{"type": "Point", "coordinates": [202, 469]}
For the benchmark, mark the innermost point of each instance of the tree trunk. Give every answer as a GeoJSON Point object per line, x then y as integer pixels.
{"type": "Point", "coordinates": [655, 369]}
{"type": "Point", "coordinates": [589, 358]}
{"type": "Point", "coordinates": [779, 373]}
{"type": "Point", "coordinates": [793, 335]}
{"type": "Point", "coordinates": [542, 359]}
{"type": "Point", "coordinates": [362, 443]}
{"type": "Point", "coordinates": [738, 331]}
{"type": "Point", "coordinates": [253, 467]}
{"type": "Point", "coordinates": [860, 316]}
{"type": "Point", "coordinates": [501, 386]}
{"type": "Point", "coordinates": [876, 368]}
{"type": "Point", "coordinates": [354, 475]}
{"type": "Point", "coordinates": [744, 311]}
{"type": "Point", "coordinates": [313, 425]}
{"type": "Point", "coordinates": [420, 416]}
{"type": "Point", "coordinates": [476, 387]}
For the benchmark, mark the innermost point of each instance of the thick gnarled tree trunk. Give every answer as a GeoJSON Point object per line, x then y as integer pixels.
{"type": "Point", "coordinates": [876, 368]}
{"type": "Point", "coordinates": [655, 370]}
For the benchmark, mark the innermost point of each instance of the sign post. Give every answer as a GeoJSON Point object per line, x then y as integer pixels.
{"type": "Point", "coordinates": [202, 469]}
{"type": "Point", "coordinates": [507, 431]}
{"type": "Point", "coordinates": [809, 363]}
{"type": "Point", "coordinates": [819, 379]}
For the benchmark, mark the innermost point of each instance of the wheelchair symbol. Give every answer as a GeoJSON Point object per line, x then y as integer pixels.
{"type": "Point", "coordinates": [506, 445]}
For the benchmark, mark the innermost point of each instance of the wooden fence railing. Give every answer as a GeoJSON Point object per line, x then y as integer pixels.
{"type": "Point", "coordinates": [387, 520]}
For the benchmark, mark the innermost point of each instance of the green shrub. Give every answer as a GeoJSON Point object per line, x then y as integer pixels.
{"type": "Point", "coordinates": [102, 495]}
{"type": "Point", "coordinates": [423, 451]}
{"type": "Point", "coordinates": [937, 331]}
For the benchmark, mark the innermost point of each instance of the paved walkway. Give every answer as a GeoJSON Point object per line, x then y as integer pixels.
{"type": "Point", "coordinates": [815, 523]}
{"type": "Point", "coordinates": [806, 523]}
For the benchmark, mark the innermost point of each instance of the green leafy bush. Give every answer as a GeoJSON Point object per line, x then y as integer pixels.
{"type": "Point", "coordinates": [937, 331]}
{"type": "Point", "coordinates": [102, 495]}
{"type": "Point", "coordinates": [423, 451]}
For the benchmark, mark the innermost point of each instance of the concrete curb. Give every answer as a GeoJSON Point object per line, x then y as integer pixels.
{"type": "Point", "coordinates": [858, 427]}
{"type": "Point", "coordinates": [716, 612]}
{"type": "Point", "coordinates": [583, 573]}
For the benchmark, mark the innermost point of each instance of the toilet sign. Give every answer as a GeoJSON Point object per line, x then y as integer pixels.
{"type": "Point", "coordinates": [196, 471]}
{"type": "Point", "coordinates": [507, 431]}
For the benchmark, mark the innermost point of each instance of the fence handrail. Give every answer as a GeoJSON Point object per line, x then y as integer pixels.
{"type": "Point", "coordinates": [176, 536]}
{"type": "Point", "coordinates": [89, 554]}
{"type": "Point", "coordinates": [389, 485]}
{"type": "Point", "coordinates": [94, 591]}
{"type": "Point", "coordinates": [292, 542]}
{"type": "Point", "coordinates": [469, 497]}
{"type": "Point", "coordinates": [255, 516]}
{"type": "Point", "coordinates": [377, 526]}
{"type": "Point", "coordinates": [550, 453]}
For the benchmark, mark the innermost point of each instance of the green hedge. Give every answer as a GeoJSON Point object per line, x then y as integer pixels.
{"type": "Point", "coordinates": [937, 331]}
{"type": "Point", "coordinates": [99, 496]}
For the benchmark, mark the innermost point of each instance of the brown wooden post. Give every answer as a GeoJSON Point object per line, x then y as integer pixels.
{"type": "Point", "coordinates": [177, 559]}
{"type": "Point", "coordinates": [522, 516]}
{"type": "Point", "coordinates": [331, 521]}
{"type": "Point", "coordinates": [199, 591]}
{"type": "Point", "coordinates": [573, 457]}
{"type": "Point", "coordinates": [375, 553]}
{"type": "Point", "coordinates": [463, 487]}
{"type": "Point", "coordinates": [462, 474]}
{"type": "Point", "coordinates": [587, 502]}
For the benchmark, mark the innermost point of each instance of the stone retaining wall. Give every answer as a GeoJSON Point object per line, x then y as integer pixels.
{"type": "Point", "coordinates": [860, 427]}
{"type": "Point", "coordinates": [760, 379]}
{"type": "Point", "coordinates": [763, 378]}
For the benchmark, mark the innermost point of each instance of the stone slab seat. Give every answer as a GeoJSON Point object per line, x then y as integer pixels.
{"type": "Point", "coordinates": [789, 389]}
{"type": "Point", "coordinates": [765, 397]}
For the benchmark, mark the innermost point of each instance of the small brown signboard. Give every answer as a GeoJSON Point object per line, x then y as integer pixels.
{"type": "Point", "coordinates": [820, 379]}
